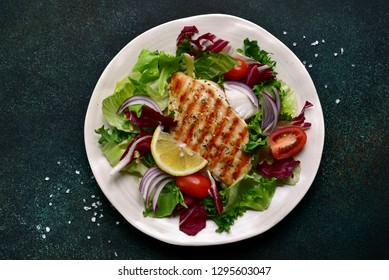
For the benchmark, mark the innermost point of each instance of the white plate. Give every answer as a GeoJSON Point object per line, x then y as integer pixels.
{"type": "Point", "coordinates": [122, 191]}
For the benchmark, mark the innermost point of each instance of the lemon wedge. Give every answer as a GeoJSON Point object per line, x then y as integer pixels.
{"type": "Point", "coordinates": [174, 158]}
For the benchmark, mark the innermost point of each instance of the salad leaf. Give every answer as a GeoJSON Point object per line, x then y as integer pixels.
{"type": "Point", "coordinates": [256, 137]}
{"type": "Point", "coordinates": [252, 49]}
{"type": "Point", "coordinates": [193, 218]}
{"type": "Point", "coordinates": [151, 73]}
{"type": "Point", "coordinates": [168, 200]}
{"type": "Point", "coordinates": [211, 65]}
{"type": "Point", "coordinates": [114, 134]}
{"type": "Point", "coordinates": [124, 89]}
{"type": "Point", "coordinates": [281, 169]}
{"type": "Point", "coordinates": [249, 192]}
{"type": "Point", "coordinates": [288, 102]}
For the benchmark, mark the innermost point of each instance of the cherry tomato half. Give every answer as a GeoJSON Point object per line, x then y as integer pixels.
{"type": "Point", "coordinates": [237, 72]}
{"type": "Point", "coordinates": [195, 185]}
{"type": "Point", "coordinates": [287, 141]}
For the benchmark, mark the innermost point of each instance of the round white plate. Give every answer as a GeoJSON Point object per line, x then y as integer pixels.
{"type": "Point", "coordinates": [122, 191]}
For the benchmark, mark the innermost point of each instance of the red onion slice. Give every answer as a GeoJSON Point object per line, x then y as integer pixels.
{"type": "Point", "coordinates": [127, 158]}
{"type": "Point", "coordinates": [139, 99]}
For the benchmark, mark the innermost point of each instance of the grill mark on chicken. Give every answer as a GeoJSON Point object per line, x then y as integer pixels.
{"type": "Point", "coordinates": [208, 125]}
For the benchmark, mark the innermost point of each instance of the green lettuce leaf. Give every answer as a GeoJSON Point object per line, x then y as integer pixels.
{"type": "Point", "coordinates": [289, 107]}
{"type": "Point", "coordinates": [211, 65]}
{"type": "Point", "coordinates": [124, 89]}
{"type": "Point", "coordinates": [248, 192]}
{"type": "Point", "coordinates": [168, 199]}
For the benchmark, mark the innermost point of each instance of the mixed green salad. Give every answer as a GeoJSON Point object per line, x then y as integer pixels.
{"type": "Point", "coordinates": [247, 74]}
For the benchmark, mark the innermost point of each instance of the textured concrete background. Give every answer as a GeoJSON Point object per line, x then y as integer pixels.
{"type": "Point", "coordinates": [53, 52]}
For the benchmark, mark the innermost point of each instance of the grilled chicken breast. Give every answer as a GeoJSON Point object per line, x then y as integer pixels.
{"type": "Point", "coordinates": [208, 125]}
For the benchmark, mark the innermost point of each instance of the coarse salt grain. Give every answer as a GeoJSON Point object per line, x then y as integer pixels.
{"type": "Point", "coordinates": [93, 219]}
{"type": "Point", "coordinates": [86, 208]}
{"type": "Point", "coordinates": [310, 65]}
{"type": "Point", "coordinates": [69, 222]}
{"type": "Point", "coordinates": [47, 229]}
{"type": "Point", "coordinates": [50, 203]}
{"type": "Point", "coordinates": [325, 86]}
{"type": "Point", "coordinates": [88, 237]}
{"type": "Point", "coordinates": [337, 101]}
{"type": "Point", "coordinates": [284, 32]}
{"type": "Point", "coordinates": [316, 55]}
{"type": "Point", "coordinates": [47, 178]}
{"type": "Point", "coordinates": [68, 191]}
{"type": "Point", "coordinates": [341, 51]}
{"type": "Point", "coordinates": [77, 172]}
{"type": "Point", "coordinates": [315, 43]}
{"type": "Point", "coordinates": [43, 236]}
{"type": "Point", "coordinates": [294, 44]}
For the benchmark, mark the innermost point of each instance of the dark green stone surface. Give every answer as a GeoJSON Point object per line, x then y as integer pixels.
{"type": "Point", "coordinates": [51, 56]}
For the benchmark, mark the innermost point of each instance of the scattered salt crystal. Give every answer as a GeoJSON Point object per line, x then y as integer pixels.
{"type": "Point", "coordinates": [315, 43]}
{"type": "Point", "coordinates": [38, 227]}
{"type": "Point", "coordinates": [316, 55]}
{"type": "Point", "coordinates": [58, 162]}
{"type": "Point", "coordinates": [337, 101]}
{"type": "Point", "coordinates": [101, 215]}
{"type": "Point", "coordinates": [43, 236]}
{"type": "Point", "coordinates": [341, 51]}
{"type": "Point", "coordinates": [68, 191]}
{"type": "Point", "coordinates": [93, 219]}
{"type": "Point", "coordinates": [84, 200]}
{"type": "Point", "coordinates": [47, 229]}
{"type": "Point", "coordinates": [88, 237]}
{"type": "Point", "coordinates": [284, 32]}
{"type": "Point", "coordinates": [77, 172]}
{"type": "Point", "coordinates": [294, 44]}
{"type": "Point", "coordinates": [94, 205]}
{"type": "Point", "coordinates": [116, 254]}
{"type": "Point", "coordinates": [92, 196]}
{"type": "Point", "coordinates": [51, 195]}
{"type": "Point", "coordinates": [323, 41]}
{"type": "Point", "coordinates": [109, 241]}
{"type": "Point", "coordinates": [325, 86]}
{"type": "Point", "coordinates": [335, 54]}
{"type": "Point", "coordinates": [99, 203]}
{"type": "Point", "coordinates": [69, 222]}
{"type": "Point", "coordinates": [82, 183]}
{"type": "Point", "coordinates": [352, 65]}
{"type": "Point", "coordinates": [95, 213]}
{"type": "Point", "coordinates": [50, 203]}
{"type": "Point", "coordinates": [47, 178]}
{"type": "Point", "coordinates": [310, 65]}
{"type": "Point", "coordinates": [304, 62]}
{"type": "Point", "coordinates": [303, 36]}
{"type": "Point", "coordinates": [86, 208]}
{"type": "Point", "coordinates": [117, 222]}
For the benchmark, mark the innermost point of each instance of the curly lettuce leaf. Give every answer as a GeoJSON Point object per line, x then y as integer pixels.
{"type": "Point", "coordinates": [249, 192]}
{"type": "Point", "coordinates": [288, 102]}
{"type": "Point", "coordinates": [114, 143]}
